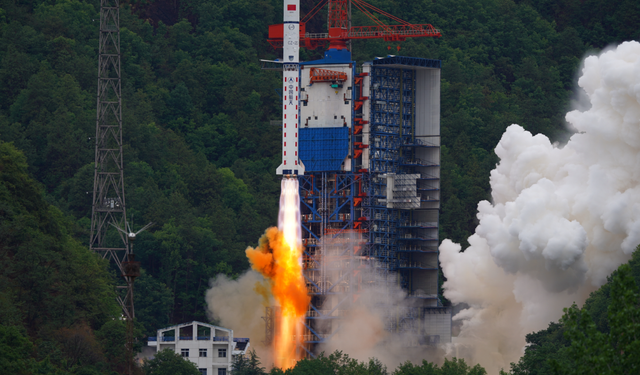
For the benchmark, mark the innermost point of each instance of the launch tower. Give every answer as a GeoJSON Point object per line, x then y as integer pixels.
{"type": "Point", "coordinates": [369, 140]}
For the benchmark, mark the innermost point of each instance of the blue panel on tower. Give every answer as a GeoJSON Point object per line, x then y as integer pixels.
{"type": "Point", "coordinates": [323, 149]}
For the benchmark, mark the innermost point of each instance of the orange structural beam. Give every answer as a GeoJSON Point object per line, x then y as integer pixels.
{"type": "Point", "coordinates": [325, 75]}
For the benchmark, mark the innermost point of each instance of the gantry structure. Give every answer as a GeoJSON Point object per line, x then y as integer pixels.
{"type": "Point", "coordinates": [370, 194]}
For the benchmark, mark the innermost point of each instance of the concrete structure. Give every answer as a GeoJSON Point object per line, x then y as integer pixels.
{"type": "Point", "coordinates": [210, 347]}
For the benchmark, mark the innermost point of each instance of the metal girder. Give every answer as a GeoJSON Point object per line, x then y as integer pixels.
{"type": "Point", "coordinates": [327, 208]}
{"type": "Point", "coordinates": [340, 32]}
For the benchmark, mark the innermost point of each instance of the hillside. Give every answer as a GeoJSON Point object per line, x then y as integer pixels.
{"type": "Point", "coordinates": [200, 154]}
{"type": "Point", "coordinates": [57, 302]}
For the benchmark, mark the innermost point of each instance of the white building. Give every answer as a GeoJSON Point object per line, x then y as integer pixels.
{"type": "Point", "coordinates": [210, 347]}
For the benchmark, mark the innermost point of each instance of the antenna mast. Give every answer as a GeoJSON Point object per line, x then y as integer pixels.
{"type": "Point", "coordinates": [108, 208]}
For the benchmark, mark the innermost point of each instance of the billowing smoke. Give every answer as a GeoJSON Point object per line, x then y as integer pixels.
{"type": "Point", "coordinates": [240, 305]}
{"type": "Point", "coordinates": [562, 218]}
{"type": "Point", "coordinates": [371, 305]}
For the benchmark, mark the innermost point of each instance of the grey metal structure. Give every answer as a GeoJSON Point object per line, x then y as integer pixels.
{"type": "Point", "coordinates": [109, 208]}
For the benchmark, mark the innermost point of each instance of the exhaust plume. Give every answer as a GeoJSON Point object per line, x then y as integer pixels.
{"type": "Point", "coordinates": [561, 218]}
{"type": "Point", "coordinates": [240, 304]}
{"type": "Point", "coordinates": [279, 259]}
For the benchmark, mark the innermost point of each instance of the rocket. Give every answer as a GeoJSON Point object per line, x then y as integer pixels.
{"type": "Point", "coordinates": [291, 164]}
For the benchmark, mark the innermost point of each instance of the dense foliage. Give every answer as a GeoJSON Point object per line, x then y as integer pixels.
{"type": "Point", "coordinates": [168, 362]}
{"type": "Point", "coordinates": [57, 302]}
{"type": "Point", "coordinates": [200, 153]}
{"type": "Point", "coordinates": [338, 363]}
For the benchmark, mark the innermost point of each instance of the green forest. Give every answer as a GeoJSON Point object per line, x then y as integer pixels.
{"type": "Point", "coordinates": [200, 156]}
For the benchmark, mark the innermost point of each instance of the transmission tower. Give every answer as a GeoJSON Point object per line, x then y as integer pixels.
{"type": "Point", "coordinates": [109, 214]}
{"type": "Point", "coordinates": [109, 236]}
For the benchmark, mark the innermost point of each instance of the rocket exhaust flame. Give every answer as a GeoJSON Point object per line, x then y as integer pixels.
{"type": "Point", "coordinates": [278, 258]}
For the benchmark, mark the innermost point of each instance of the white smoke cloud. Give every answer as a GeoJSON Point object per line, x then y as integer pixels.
{"type": "Point", "coordinates": [240, 305]}
{"type": "Point", "coordinates": [369, 324]}
{"type": "Point", "coordinates": [561, 220]}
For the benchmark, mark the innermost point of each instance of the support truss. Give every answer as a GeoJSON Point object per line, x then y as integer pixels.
{"type": "Point", "coordinates": [109, 207]}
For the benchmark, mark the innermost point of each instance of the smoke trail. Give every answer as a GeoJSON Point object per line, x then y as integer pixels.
{"type": "Point", "coordinates": [562, 218]}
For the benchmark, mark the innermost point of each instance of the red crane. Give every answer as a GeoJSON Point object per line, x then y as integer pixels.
{"type": "Point", "coordinates": [340, 30]}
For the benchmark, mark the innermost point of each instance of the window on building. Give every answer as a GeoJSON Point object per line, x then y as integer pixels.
{"type": "Point", "coordinates": [222, 371]}
{"type": "Point", "coordinates": [203, 371]}
{"type": "Point", "coordinates": [184, 352]}
{"type": "Point", "coordinates": [222, 353]}
{"type": "Point", "coordinates": [203, 352]}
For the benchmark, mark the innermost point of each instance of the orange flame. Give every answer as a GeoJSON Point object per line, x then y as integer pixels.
{"type": "Point", "coordinates": [278, 257]}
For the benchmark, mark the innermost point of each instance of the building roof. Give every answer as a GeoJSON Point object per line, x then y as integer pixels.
{"type": "Point", "coordinates": [196, 322]}
{"type": "Point", "coordinates": [393, 61]}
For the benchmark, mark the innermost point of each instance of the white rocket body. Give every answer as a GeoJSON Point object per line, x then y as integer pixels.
{"type": "Point", "coordinates": [291, 164]}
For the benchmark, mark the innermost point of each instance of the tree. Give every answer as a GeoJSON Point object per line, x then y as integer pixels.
{"type": "Point", "coordinates": [542, 346]}
{"type": "Point", "coordinates": [167, 362]}
{"type": "Point", "coordinates": [248, 366]}
{"type": "Point", "coordinates": [454, 366]}
{"type": "Point", "coordinates": [112, 335]}
{"type": "Point", "coordinates": [15, 350]}
{"type": "Point", "coordinates": [152, 302]}
{"type": "Point", "coordinates": [613, 352]}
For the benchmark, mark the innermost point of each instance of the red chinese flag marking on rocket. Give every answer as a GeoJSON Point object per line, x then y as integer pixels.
{"type": "Point", "coordinates": [291, 7]}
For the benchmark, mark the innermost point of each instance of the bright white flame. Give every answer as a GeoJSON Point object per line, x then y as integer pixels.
{"type": "Point", "coordinates": [289, 217]}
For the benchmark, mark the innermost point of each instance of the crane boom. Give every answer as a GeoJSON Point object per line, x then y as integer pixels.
{"type": "Point", "coordinates": [340, 31]}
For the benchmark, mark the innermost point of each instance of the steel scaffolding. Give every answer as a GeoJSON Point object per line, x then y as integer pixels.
{"type": "Point", "coordinates": [403, 230]}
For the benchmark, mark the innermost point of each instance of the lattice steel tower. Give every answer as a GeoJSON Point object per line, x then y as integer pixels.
{"type": "Point", "coordinates": [109, 208]}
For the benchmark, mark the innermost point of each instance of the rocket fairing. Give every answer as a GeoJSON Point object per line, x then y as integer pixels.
{"type": "Point", "coordinates": [291, 164]}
